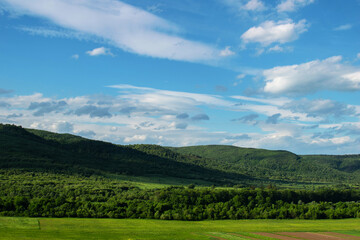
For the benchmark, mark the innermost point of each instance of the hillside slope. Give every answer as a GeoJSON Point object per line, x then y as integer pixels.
{"type": "Point", "coordinates": [280, 165]}
{"type": "Point", "coordinates": [37, 150]}
{"type": "Point", "coordinates": [42, 151]}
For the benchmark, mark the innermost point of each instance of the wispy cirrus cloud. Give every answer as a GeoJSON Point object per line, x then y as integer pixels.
{"type": "Point", "coordinates": [292, 5]}
{"type": "Point", "coordinates": [254, 5]}
{"type": "Point", "coordinates": [54, 32]}
{"type": "Point", "coordinates": [246, 5]}
{"type": "Point", "coordinates": [120, 24]}
{"type": "Point", "coordinates": [320, 107]}
{"type": "Point", "coordinates": [343, 27]}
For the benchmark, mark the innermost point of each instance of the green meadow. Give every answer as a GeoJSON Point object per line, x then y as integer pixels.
{"type": "Point", "coordinates": [76, 228]}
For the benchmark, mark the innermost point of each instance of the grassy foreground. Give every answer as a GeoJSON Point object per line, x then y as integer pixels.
{"type": "Point", "coordinates": [74, 228]}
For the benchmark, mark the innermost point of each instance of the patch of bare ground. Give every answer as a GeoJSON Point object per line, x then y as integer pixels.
{"type": "Point", "coordinates": [310, 236]}
{"type": "Point", "coordinates": [276, 236]}
{"type": "Point", "coordinates": [243, 236]}
{"type": "Point", "coordinates": [341, 235]}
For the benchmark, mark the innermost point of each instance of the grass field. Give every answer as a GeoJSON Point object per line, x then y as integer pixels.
{"type": "Point", "coordinates": [72, 228]}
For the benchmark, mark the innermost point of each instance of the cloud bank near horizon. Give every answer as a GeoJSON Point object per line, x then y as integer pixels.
{"type": "Point", "coordinates": [148, 115]}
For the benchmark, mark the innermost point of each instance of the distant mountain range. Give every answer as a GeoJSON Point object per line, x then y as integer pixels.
{"type": "Point", "coordinates": [42, 151]}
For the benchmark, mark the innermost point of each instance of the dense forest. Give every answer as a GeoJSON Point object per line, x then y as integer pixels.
{"type": "Point", "coordinates": [54, 195]}
{"type": "Point", "coordinates": [44, 174]}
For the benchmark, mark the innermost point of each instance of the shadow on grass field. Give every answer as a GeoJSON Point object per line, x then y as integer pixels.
{"type": "Point", "coordinates": [75, 228]}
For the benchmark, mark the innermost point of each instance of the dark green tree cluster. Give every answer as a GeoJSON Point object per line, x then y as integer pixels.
{"type": "Point", "coordinates": [54, 195]}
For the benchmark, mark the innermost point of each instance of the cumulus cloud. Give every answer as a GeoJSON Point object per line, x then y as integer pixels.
{"type": "Point", "coordinates": [226, 52]}
{"type": "Point", "coordinates": [200, 116]}
{"type": "Point", "coordinates": [181, 125]}
{"type": "Point", "coordinates": [93, 111]}
{"type": "Point", "coordinates": [46, 107]}
{"type": "Point", "coordinates": [276, 48]}
{"type": "Point", "coordinates": [62, 127]}
{"type": "Point", "coordinates": [122, 25]}
{"type": "Point", "coordinates": [343, 27]}
{"type": "Point", "coordinates": [292, 5]}
{"type": "Point", "coordinates": [270, 32]}
{"type": "Point", "coordinates": [273, 119]}
{"type": "Point", "coordinates": [328, 74]}
{"type": "Point", "coordinates": [248, 119]}
{"type": "Point", "coordinates": [135, 138]}
{"type": "Point", "coordinates": [182, 116]}
{"type": "Point", "coordinates": [99, 51]}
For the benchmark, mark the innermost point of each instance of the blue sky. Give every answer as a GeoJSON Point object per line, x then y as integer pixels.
{"type": "Point", "coordinates": [281, 74]}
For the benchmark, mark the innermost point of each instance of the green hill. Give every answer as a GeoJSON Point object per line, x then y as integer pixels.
{"type": "Point", "coordinates": [280, 165]}
{"type": "Point", "coordinates": [36, 150]}
{"type": "Point", "coordinates": [41, 151]}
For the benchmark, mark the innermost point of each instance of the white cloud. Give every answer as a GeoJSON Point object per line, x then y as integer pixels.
{"type": "Point", "coordinates": [279, 49]}
{"type": "Point", "coordinates": [292, 5]}
{"type": "Point", "coordinates": [154, 8]}
{"type": "Point", "coordinates": [135, 138]}
{"type": "Point", "coordinates": [275, 32]}
{"type": "Point", "coordinates": [343, 27]}
{"type": "Point", "coordinates": [55, 32]}
{"type": "Point", "coordinates": [99, 51]}
{"type": "Point", "coordinates": [62, 127]}
{"type": "Point", "coordinates": [276, 48]}
{"type": "Point", "coordinates": [122, 25]}
{"type": "Point", "coordinates": [328, 74]}
{"type": "Point", "coordinates": [358, 56]}
{"type": "Point", "coordinates": [245, 6]}
{"type": "Point", "coordinates": [226, 52]}
{"type": "Point", "coordinates": [170, 100]}
{"type": "Point", "coordinates": [148, 115]}
{"type": "Point", "coordinates": [75, 56]}
{"type": "Point", "coordinates": [254, 5]}
{"type": "Point", "coordinates": [241, 76]}
{"type": "Point", "coordinates": [320, 107]}
{"type": "Point", "coordinates": [272, 101]}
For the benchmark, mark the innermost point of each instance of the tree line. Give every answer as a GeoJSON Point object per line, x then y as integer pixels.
{"type": "Point", "coordinates": [32, 195]}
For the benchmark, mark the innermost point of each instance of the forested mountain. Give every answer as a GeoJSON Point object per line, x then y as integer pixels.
{"type": "Point", "coordinates": [44, 174]}
{"type": "Point", "coordinates": [282, 165]}
{"type": "Point", "coordinates": [42, 151]}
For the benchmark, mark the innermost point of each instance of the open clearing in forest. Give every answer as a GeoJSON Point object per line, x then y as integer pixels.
{"type": "Point", "coordinates": [144, 229]}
